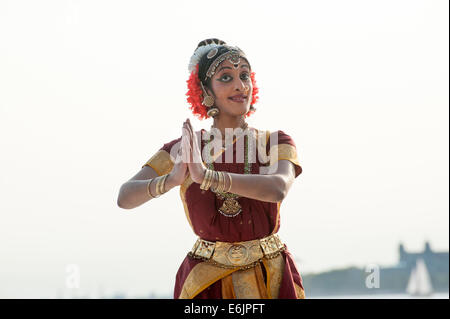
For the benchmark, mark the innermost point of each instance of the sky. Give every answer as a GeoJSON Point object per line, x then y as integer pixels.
{"type": "Point", "coordinates": [90, 90]}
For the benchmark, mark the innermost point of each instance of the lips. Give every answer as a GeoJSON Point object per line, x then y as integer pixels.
{"type": "Point", "coordinates": [238, 98]}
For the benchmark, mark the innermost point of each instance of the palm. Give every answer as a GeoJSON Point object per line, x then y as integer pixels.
{"type": "Point", "coordinates": [192, 153]}
{"type": "Point", "coordinates": [179, 171]}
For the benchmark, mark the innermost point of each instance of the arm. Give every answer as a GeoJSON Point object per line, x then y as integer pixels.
{"type": "Point", "coordinates": [272, 187]}
{"type": "Point", "coordinates": [134, 192]}
{"type": "Point", "coordinates": [268, 188]}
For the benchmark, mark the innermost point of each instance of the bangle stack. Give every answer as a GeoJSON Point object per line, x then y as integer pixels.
{"type": "Point", "coordinates": [207, 179]}
{"type": "Point", "coordinates": [219, 177]}
{"type": "Point", "coordinates": [160, 186]}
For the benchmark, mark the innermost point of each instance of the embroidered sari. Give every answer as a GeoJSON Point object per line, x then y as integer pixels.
{"type": "Point", "coordinates": [272, 278]}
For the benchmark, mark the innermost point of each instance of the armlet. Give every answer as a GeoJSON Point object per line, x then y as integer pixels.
{"type": "Point", "coordinates": [160, 162]}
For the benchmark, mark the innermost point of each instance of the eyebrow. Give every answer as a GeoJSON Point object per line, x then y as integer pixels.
{"type": "Point", "coordinates": [227, 67]}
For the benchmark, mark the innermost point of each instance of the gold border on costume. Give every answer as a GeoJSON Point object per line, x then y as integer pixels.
{"type": "Point", "coordinates": [160, 162]}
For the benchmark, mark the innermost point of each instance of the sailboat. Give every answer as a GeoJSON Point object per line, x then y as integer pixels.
{"type": "Point", "coordinates": [419, 281]}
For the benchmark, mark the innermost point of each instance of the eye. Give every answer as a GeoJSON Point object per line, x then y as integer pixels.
{"type": "Point", "coordinates": [225, 76]}
{"type": "Point", "coordinates": [245, 76]}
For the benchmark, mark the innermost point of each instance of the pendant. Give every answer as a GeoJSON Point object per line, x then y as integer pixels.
{"type": "Point", "coordinates": [230, 207]}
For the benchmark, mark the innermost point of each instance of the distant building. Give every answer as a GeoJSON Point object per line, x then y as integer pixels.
{"type": "Point", "coordinates": [393, 279]}
{"type": "Point", "coordinates": [437, 264]}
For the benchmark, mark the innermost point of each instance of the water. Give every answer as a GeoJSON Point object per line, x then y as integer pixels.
{"type": "Point", "coordinates": [439, 295]}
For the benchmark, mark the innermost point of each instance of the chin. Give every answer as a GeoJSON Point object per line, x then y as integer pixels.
{"type": "Point", "coordinates": [240, 112]}
{"type": "Point", "coordinates": [238, 109]}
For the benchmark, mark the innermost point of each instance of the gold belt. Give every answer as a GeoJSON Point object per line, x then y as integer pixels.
{"type": "Point", "coordinates": [244, 254]}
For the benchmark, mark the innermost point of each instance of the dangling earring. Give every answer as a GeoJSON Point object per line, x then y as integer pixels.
{"type": "Point", "coordinates": [212, 111]}
{"type": "Point", "coordinates": [252, 108]}
{"type": "Point", "coordinates": [208, 101]}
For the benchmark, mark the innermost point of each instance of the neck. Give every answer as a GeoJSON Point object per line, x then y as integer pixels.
{"type": "Point", "coordinates": [228, 122]}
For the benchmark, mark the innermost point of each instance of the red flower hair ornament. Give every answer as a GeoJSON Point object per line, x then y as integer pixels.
{"type": "Point", "coordinates": [195, 95]}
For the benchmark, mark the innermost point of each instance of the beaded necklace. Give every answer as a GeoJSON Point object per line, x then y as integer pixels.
{"type": "Point", "coordinates": [231, 206]}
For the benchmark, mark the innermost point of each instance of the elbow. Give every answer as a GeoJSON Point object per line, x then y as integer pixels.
{"type": "Point", "coordinates": [121, 203]}
{"type": "Point", "coordinates": [280, 190]}
{"type": "Point", "coordinates": [126, 203]}
{"type": "Point", "coordinates": [279, 196]}
{"type": "Point", "coordinates": [121, 200]}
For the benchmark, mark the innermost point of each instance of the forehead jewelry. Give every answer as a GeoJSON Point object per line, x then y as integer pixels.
{"type": "Point", "coordinates": [234, 56]}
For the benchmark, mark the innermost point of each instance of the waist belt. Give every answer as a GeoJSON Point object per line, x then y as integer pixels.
{"type": "Point", "coordinates": [244, 254]}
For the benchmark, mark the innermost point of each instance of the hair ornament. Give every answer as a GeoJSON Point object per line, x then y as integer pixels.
{"type": "Point", "coordinates": [212, 53]}
{"type": "Point", "coordinates": [199, 52]}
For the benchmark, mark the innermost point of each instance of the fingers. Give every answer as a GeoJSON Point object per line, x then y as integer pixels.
{"type": "Point", "coordinates": [187, 133]}
{"type": "Point", "coordinates": [189, 128]}
{"type": "Point", "coordinates": [187, 144]}
{"type": "Point", "coordinates": [195, 149]}
{"type": "Point", "coordinates": [179, 154]}
{"type": "Point", "coordinates": [190, 133]}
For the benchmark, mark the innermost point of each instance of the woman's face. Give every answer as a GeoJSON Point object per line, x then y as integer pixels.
{"type": "Point", "coordinates": [232, 88]}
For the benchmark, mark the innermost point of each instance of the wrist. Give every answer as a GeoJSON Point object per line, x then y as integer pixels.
{"type": "Point", "coordinates": [170, 183]}
{"type": "Point", "coordinates": [215, 181]}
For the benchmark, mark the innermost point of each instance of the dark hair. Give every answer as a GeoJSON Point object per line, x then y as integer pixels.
{"type": "Point", "coordinates": [205, 62]}
{"type": "Point", "coordinates": [198, 72]}
{"type": "Point", "coordinates": [210, 41]}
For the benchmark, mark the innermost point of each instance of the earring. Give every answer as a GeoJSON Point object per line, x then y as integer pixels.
{"type": "Point", "coordinates": [208, 100]}
{"type": "Point", "coordinates": [252, 108]}
{"type": "Point", "coordinates": [212, 111]}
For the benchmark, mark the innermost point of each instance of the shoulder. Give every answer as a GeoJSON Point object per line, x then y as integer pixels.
{"type": "Point", "coordinates": [167, 147]}
{"type": "Point", "coordinates": [172, 146]}
{"type": "Point", "coordinates": [281, 146]}
{"type": "Point", "coordinates": [164, 158]}
{"type": "Point", "coordinates": [279, 137]}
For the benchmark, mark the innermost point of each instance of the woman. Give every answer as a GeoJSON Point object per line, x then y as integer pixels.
{"type": "Point", "coordinates": [232, 181]}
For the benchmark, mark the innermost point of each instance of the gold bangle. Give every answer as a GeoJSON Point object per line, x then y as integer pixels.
{"type": "Point", "coordinates": [224, 182]}
{"type": "Point", "coordinates": [160, 186]}
{"type": "Point", "coordinates": [229, 188]}
{"type": "Point", "coordinates": [164, 184]}
{"type": "Point", "coordinates": [220, 186]}
{"type": "Point", "coordinates": [149, 188]}
{"type": "Point", "coordinates": [214, 178]}
{"type": "Point", "coordinates": [205, 178]}
{"type": "Point", "coordinates": [215, 181]}
{"type": "Point", "coordinates": [210, 179]}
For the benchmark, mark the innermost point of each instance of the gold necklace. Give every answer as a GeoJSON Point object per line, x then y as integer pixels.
{"type": "Point", "coordinates": [243, 127]}
{"type": "Point", "coordinates": [231, 206]}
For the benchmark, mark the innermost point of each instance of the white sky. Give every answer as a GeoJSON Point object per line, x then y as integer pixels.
{"type": "Point", "coordinates": [89, 90]}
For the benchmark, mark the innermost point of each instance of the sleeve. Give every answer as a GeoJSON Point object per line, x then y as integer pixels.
{"type": "Point", "coordinates": [283, 148]}
{"type": "Point", "coordinates": [162, 161]}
